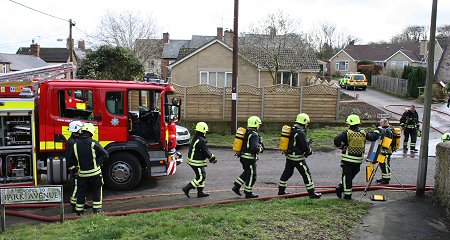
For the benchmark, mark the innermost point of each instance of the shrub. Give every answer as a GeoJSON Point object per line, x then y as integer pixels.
{"type": "Point", "coordinates": [416, 79]}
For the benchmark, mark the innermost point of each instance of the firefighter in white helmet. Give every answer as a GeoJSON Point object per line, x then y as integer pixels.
{"type": "Point", "coordinates": [296, 154]}
{"type": "Point", "coordinates": [248, 156]}
{"type": "Point", "coordinates": [75, 129]}
{"type": "Point", "coordinates": [197, 155]}
{"type": "Point", "coordinates": [88, 155]}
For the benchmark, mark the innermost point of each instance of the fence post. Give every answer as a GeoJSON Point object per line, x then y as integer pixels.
{"type": "Point", "coordinates": [338, 99]}
{"type": "Point", "coordinates": [224, 101]}
{"type": "Point", "coordinates": [185, 103]}
{"type": "Point", "coordinates": [262, 103]}
{"type": "Point", "coordinates": [301, 98]}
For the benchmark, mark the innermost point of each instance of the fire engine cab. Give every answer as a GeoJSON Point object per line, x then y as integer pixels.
{"type": "Point", "coordinates": [135, 123]}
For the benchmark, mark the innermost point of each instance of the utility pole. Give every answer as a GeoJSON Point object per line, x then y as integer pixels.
{"type": "Point", "coordinates": [423, 156]}
{"type": "Point", "coordinates": [71, 24]}
{"type": "Point", "coordinates": [234, 92]}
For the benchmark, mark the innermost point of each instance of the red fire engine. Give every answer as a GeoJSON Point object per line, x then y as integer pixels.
{"type": "Point", "coordinates": [135, 123]}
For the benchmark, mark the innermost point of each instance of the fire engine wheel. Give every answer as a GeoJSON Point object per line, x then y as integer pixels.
{"type": "Point", "coordinates": [122, 171]}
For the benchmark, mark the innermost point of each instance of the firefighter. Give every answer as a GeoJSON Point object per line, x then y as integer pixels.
{"type": "Point", "coordinates": [197, 155]}
{"type": "Point", "coordinates": [446, 137]}
{"type": "Point", "coordinates": [88, 155]}
{"type": "Point", "coordinates": [248, 157]}
{"type": "Point", "coordinates": [298, 150]}
{"type": "Point", "coordinates": [352, 143]}
{"type": "Point", "coordinates": [75, 129]}
{"type": "Point", "coordinates": [385, 167]}
{"type": "Point", "coordinates": [410, 125]}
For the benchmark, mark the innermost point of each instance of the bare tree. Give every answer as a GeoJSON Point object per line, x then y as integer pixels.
{"type": "Point", "coordinates": [443, 31]}
{"type": "Point", "coordinates": [412, 33]}
{"type": "Point", "coordinates": [275, 43]}
{"type": "Point", "coordinates": [131, 31]}
{"type": "Point", "coordinates": [327, 40]}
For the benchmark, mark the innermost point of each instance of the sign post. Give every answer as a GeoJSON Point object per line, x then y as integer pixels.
{"type": "Point", "coordinates": [26, 195]}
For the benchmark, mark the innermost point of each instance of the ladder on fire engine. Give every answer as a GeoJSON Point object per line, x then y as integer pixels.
{"type": "Point", "coordinates": [40, 74]}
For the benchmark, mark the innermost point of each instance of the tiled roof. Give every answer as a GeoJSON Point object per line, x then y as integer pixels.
{"type": "Point", "coordinates": [381, 52]}
{"type": "Point", "coordinates": [173, 47]}
{"type": "Point", "coordinates": [50, 55]}
{"type": "Point", "coordinates": [443, 41]}
{"type": "Point", "coordinates": [21, 62]}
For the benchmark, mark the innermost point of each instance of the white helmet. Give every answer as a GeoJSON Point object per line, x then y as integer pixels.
{"type": "Point", "coordinates": [75, 126]}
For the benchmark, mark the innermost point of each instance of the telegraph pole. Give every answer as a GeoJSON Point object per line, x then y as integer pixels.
{"type": "Point", "coordinates": [423, 156]}
{"type": "Point", "coordinates": [71, 24]}
{"type": "Point", "coordinates": [235, 70]}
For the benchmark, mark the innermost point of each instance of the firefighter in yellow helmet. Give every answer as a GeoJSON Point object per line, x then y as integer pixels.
{"type": "Point", "coordinates": [88, 155]}
{"type": "Point", "coordinates": [296, 154]}
{"type": "Point", "coordinates": [248, 156]}
{"type": "Point", "coordinates": [446, 137]}
{"type": "Point", "coordinates": [197, 155]}
{"type": "Point", "coordinates": [352, 143]}
{"type": "Point", "coordinates": [385, 130]}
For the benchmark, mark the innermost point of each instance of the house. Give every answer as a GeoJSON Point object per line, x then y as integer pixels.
{"type": "Point", "coordinates": [388, 56]}
{"type": "Point", "coordinates": [149, 51]}
{"type": "Point", "coordinates": [17, 62]}
{"type": "Point", "coordinates": [55, 56]}
{"type": "Point", "coordinates": [443, 67]}
{"type": "Point", "coordinates": [211, 63]}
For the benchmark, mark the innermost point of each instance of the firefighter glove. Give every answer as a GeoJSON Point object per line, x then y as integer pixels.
{"type": "Point", "coordinates": [261, 149]}
{"type": "Point", "coordinates": [309, 152]}
{"type": "Point", "coordinates": [213, 159]}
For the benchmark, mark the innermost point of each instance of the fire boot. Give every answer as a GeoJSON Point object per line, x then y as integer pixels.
{"type": "Point", "coordinates": [97, 211]}
{"type": "Point", "coordinates": [251, 195]}
{"type": "Point", "coordinates": [282, 191]}
{"type": "Point", "coordinates": [347, 196]}
{"type": "Point", "coordinates": [414, 150]}
{"type": "Point", "coordinates": [339, 190]}
{"type": "Point", "coordinates": [74, 209]}
{"type": "Point", "coordinates": [200, 192]}
{"type": "Point", "coordinates": [236, 189]}
{"type": "Point", "coordinates": [313, 194]}
{"type": "Point", "coordinates": [383, 181]}
{"type": "Point", "coordinates": [187, 188]}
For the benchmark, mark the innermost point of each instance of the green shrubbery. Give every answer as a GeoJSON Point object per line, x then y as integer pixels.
{"type": "Point", "coordinates": [416, 78]}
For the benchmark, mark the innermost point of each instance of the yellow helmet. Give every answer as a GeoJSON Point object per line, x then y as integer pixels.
{"type": "Point", "coordinates": [302, 118]}
{"type": "Point", "coordinates": [446, 137]}
{"type": "Point", "coordinates": [353, 120]}
{"type": "Point", "coordinates": [89, 127]}
{"type": "Point", "coordinates": [254, 122]}
{"type": "Point", "coordinates": [201, 127]}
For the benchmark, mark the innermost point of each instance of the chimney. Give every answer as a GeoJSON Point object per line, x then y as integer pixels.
{"type": "Point", "coordinates": [219, 33]}
{"type": "Point", "coordinates": [82, 45]}
{"type": "Point", "coordinates": [35, 49]}
{"type": "Point", "coordinates": [423, 47]}
{"type": "Point", "coordinates": [228, 37]}
{"type": "Point", "coordinates": [166, 37]}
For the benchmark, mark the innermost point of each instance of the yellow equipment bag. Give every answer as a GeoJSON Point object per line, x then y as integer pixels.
{"type": "Point", "coordinates": [284, 139]}
{"type": "Point", "coordinates": [239, 139]}
{"type": "Point", "coordinates": [397, 136]}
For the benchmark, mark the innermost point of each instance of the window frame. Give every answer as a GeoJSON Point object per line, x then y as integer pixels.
{"type": "Point", "coordinates": [216, 74]}
{"type": "Point", "coordinates": [338, 64]}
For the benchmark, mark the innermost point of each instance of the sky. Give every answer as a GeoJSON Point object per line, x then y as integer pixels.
{"type": "Point", "coordinates": [368, 20]}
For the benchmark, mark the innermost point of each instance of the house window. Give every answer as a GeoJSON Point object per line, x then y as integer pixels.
{"type": "Point", "coordinates": [216, 79]}
{"type": "Point", "coordinates": [3, 68]}
{"type": "Point", "coordinates": [288, 78]}
{"type": "Point", "coordinates": [399, 64]}
{"type": "Point", "coordinates": [342, 66]}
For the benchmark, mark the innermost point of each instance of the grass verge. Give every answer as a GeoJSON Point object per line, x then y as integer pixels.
{"type": "Point", "coordinates": [322, 138]}
{"type": "Point", "coordinates": [272, 219]}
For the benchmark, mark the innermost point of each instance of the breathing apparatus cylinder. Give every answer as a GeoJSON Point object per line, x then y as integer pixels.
{"type": "Point", "coordinates": [284, 139]}
{"type": "Point", "coordinates": [239, 139]}
{"type": "Point", "coordinates": [384, 147]}
{"type": "Point", "coordinates": [397, 136]}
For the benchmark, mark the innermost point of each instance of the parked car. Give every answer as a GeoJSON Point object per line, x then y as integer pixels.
{"type": "Point", "coordinates": [183, 136]}
{"type": "Point", "coordinates": [353, 81]}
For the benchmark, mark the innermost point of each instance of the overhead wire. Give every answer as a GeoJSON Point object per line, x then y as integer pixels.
{"type": "Point", "coordinates": [66, 20]}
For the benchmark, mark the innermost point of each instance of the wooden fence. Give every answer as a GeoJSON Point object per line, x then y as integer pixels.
{"type": "Point", "coordinates": [272, 103]}
{"type": "Point", "coordinates": [392, 85]}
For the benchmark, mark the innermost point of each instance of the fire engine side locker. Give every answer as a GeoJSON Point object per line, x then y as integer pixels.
{"type": "Point", "coordinates": [17, 142]}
